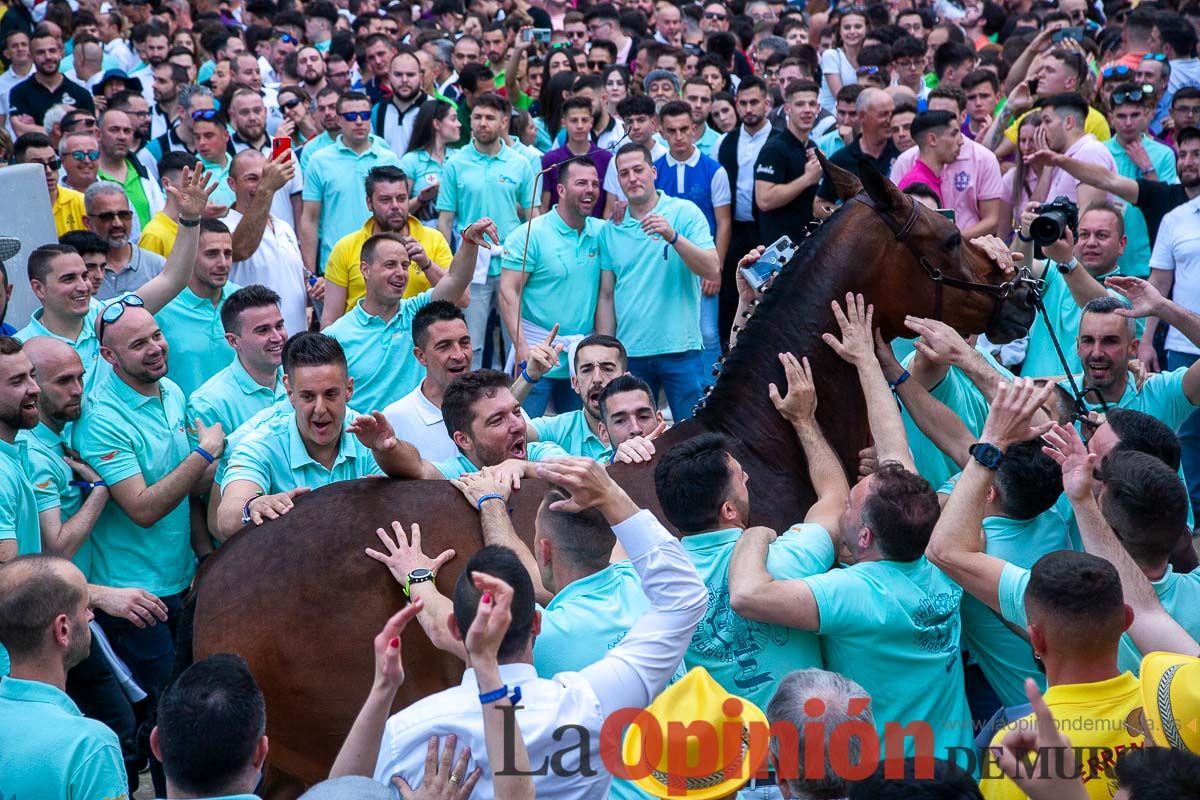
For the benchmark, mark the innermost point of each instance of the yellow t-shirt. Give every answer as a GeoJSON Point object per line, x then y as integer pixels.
{"type": "Point", "coordinates": [1095, 124]}
{"type": "Point", "coordinates": [68, 211]}
{"type": "Point", "coordinates": [342, 267]}
{"type": "Point", "coordinates": [159, 235]}
{"type": "Point", "coordinates": [1101, 719]}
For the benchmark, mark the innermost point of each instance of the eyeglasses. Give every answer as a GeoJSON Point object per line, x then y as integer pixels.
{"type": "Point", "coordinates": [1189, 111]}
{"type": "Point", "coordinates": [113, 311]}
{"type": "Point", "coordinates": [910, 63]}
{"type": "Point", "coordinates": [205, 114]}
{"type": "Point", "coordinates": [351, 116]}
{"type": "Point", "coordinates": [54, 164]}
{"type": "Point", "coordinates": [290, 104]}
{"type": "Point", "coordinates": [1154, 57]}
{"type": "Point", "coordinates": [1132, 96]}
{"type": "Point", "coordinates": [85, 155]}
{"type": "Point", "coordinates": [288, 38]}
{"type": "Point", "coordinates": [577, 34]}
{"type": "Point", "coordinates": [109, 216]}
{"type": "Point", "coordinates": [1119, 71]}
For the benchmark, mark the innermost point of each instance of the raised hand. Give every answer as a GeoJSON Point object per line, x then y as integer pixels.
{"type": "Point", "coordinates": [542, 358]}
{"type": "Point", "coordinates": [857, 345]}
{"type": "Point", "coordinates": [800, 403]}
{"type": "Point", "coordinates": [196, 185]}
{"type": "Point", "coordinates": [445, 778]}
{"type": "Point", "coordinates": [479, 232]}
{"type": "Point", "coordinates": [1038, 741]}
{"type": "Point", "coordinates": [492, 618]}
{"type": "Point", "coordinates": [389, 667]}
{"type": "Point", "coordinates": [638, 449]}
{"type": "Point", "coordinates": [475, 485]}
{"type": "Point", "coordinates": [278, 171]}
{"type": "Point", "coordinates": [273, 506]}
{"type": "Point", "coordinates": [1010, 418]}
{"type": "Point", "coordinates": [402, 557]}
{"type": "Point", "coordinates": [586, 480]}
{"type": "Point", "coordinates": [940, 343]}
{"type": "Point", "coordinates": [1078, 465]}
{"type": "Point", "coordinates": [1144, 299]}
{"type": "Point", "coordinates": [995, 249]}
{"type": "Point", "coordinates": [374, 431]}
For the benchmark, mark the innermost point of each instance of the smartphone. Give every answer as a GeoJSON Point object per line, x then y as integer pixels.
{"type": "Point", "coordinates": [280, 144]}
{"type": "Point", "coordinates": [1067, 33]}
{"type": "Point", "coordinates": [948, 213]}
{"type": "Point", "coordinates": [770, 263]}
{"type": "Point", "coordinates": [536, 34]}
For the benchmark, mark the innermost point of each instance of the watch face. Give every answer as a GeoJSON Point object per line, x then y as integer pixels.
{"type": "Point", "coordinates": [419, 574]}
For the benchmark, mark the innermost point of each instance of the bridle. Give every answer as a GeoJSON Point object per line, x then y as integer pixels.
{"type": "Point", "coordinates": [1000, 293]}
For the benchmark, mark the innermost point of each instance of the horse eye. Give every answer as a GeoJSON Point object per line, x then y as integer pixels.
{"type": "Point", "coordinates": [954, 242]}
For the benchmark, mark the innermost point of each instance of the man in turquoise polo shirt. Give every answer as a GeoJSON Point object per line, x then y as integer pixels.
{"type": "Point", "coordinates": [58, 278]}
{"type": "Point", "coordinates": [334, 202]}
{"type": "Point", "coordinates": [702, 489]}
{"type": "Point", "coordinates": [19, 393]}
{"type": "Point", "coordinates": [133, 432]}
{"type": "Point", "coordinates": [652, 265]}
{"type": "Point", "coordinates": [377, 333]}
{"type": "Point", "coordinates": [191, 322]}
{"type": "Point", "coordinates": [303, 449]}
{"type": "Point", "coordinates": [890, 620]}
{"type": "Point", "coordinates": [213, 700]}
{"type": "Point", "coordinates": [254, 329]}
{"type": "Point", "coordinates": [559, 281]}
{"type": "Point", "coordinates": [486, 423]}
{"type": "Point", "coordinates": [487, 178]}
{"type": "Point", "coordinates": [50, 748]}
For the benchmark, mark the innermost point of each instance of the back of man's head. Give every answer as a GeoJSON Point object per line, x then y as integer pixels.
{"type": "Point", "coordinates": [583, 540]}
{"type": "Point", "coordinates": [692, 480]}
{"type": "Point", "coordinates": [34, 591]}
{"type": "Point", "coordinates": [210, 727]}
{"type": "Point", "coordinates": [503, 563]}
{"type": "Point", "coordinates": [1146, 505]}
{"type": "Point", "coordinates": [947, 782]}
{"type": "Point", "coordinates": [1029, 481]}
{"type": "Point", "coordinates": [1158, 773]}
{"type": "Point", "coordinates": [1143, 433]}
{"type": "Point", "coordinates": [1076, 600]}
{"type": "Point", "coordinates": [901, 512]}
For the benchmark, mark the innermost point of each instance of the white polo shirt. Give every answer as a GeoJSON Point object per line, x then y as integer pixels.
{"type": "Point", "coordinates": [277, 265]}
{"type": "Point", "coordinates": [419, 422]}
{"type": "Point", "coordinates": [1177, 250]}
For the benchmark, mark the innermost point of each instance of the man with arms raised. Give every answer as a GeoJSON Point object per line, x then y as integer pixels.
{"type": "Point", "coordinates": [376, 334]}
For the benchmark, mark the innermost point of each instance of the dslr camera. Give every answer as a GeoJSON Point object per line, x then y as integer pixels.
{"type": "Point", "coordinates": [1052, 221]}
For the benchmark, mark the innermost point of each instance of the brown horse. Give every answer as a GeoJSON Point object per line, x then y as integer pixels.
{"type": "Point", "coordinates": [301, 603]}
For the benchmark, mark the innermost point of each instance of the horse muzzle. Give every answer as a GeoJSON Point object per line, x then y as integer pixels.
{"type": "Point", "coordinates": [1014, 315]}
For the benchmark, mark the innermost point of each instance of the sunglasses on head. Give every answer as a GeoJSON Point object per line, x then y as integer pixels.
{"type": "Point", "coordinates": [113, 311]}
{"type": "Point", "coordinates": [85, 155]}
{"type": "Point", "coordinates": [1132, 96]}
{"type": "Point", "coordinates": [287, 37]}
{"type": "Point", "coordinates": [1119, 71]}
{"type": "Point", "coordinates": [204, 113]}
{"type": "Point", "coordinates": [1154, 57]}
{"type": "Point", "coordinates": [867, 71]}
{"type": "Point", "coordinates": [86, 122]}
{"type": "Point", "coordinates": [351, 116]}
{"type": "Point", "coordinates": [290, 104]}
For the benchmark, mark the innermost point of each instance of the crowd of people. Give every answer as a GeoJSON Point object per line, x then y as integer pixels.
{"type": "Point", "coordinates": [481, 241]}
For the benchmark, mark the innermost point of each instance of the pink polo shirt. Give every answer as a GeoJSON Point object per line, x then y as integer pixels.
{"type": "Point", "coordinates": [973, 176]}
{"type": "Point", "coordinates": [922, 173]}
{"type": "Point", "coordinates": [1087, 150]}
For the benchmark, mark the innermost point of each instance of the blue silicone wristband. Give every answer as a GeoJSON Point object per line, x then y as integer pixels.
{"type": "Point", "coordinates": [207, 456]}
{"type": "Point", "coordinates": [486, 497]}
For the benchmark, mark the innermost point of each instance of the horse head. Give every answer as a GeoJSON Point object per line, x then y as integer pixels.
{"type": "Point", "coordinates": [955, 280]}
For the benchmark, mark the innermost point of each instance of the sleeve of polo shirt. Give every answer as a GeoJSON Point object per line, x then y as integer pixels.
{"type": "Point", "coordinates": [105, 444]}
{"type": "Point", "coordinates": [1162, 256]}
{"type": "Point", "coordinates": [8, 507]}
{"type": "Point", "coordinates": [548, 428]}
{"type": "Point", "coordinates": [1167, 400]}
{"type": "Point", "coordinates": [1013, 581]}
{"type": "Point", "coordinates": [845, 603]}
{"type": "Point", "coordinates": [337, 268]}
{"type": "Point", "coordinates": [448, 192]}
{"type": "Point", "coordinates": [439, 249]}
{"type": "Point", "coordinates": [605, 243]}
{"type": "Point", "coordinates": [199, 407]}
{"type": "Point", "coordinates": [514, 250]}
{"type": "Point", "coordinates": [771, 166]}
{"type": "Point", "coordinates": [102, 774]}
{"type": "Point", "coordinates": [314, 184]}
{"type": "Point", "coordinates": [989, 182]}
{"type": "Point", "coordinates": [525, 187]}
{"type": "Point", "coordinates": [246, 463]}
{"type": "Point", "coordinates": [1164, 165]}
{"type": "Point", "coordinates": [804, 549]}
{"type": "Point", "coordinates": [45, 490]}
{"type": "Point", "coordinates": [409, 306]}
{"type": "Point", "coordinates": [692, 225]}
{"type": "Point", "coordinates": [721, 194]}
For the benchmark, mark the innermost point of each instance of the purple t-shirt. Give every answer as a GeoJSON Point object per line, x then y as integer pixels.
{"type": "Point", "coordinates": [560, 154]}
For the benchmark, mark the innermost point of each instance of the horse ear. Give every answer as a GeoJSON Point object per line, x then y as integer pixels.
{"type": "Point", "coordinates": [885, 194]}
{"type": "Point", "coordinates": [844, 182]}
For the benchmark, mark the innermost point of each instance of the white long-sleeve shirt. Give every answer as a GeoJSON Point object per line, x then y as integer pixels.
{"type": "Point", "coordinates": [630, 676]}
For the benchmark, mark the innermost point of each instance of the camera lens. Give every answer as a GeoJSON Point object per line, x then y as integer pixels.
{"type": "Point", "coordinates": [1047, 228]}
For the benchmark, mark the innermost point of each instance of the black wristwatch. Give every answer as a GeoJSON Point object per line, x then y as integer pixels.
{"type": "Point", "coordinates": [418, 575]}
{"type": "Point", "coordinates": [1069, 267]}
{"type": "Point", "coordinates": [988, 455]}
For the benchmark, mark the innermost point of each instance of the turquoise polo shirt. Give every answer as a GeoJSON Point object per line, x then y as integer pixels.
{"type": "Point", "coordinates": [563, 270]}
{"type": "Point", "coordinates": [476, 185]}
{"type": "Point", "coordinates": [570, 431]}
{"type": "Point", "coordinates": [534, 451]}
{"type": "Point", "coordinates": [195, 337]}
{"type": "Point", "coordinates": [1136, 259]}
{"type": "Point", "coordinates": [894, 627]}
{"type": "Point", "coordinates": [1179, 593]}
{"type": "Point", "coordinates": [312, 147]}
{"type": "Point", "coordinates": [656, 297]}
{"type": "Point", "coordinates": [334, 178]}
{"type": "Point", "coordinates": [86, 344]}
{"type": "Point", "coordinates": [231, 397]}
{"type": "Point", "coordinates": [962, 397]}
{"type": "Point", "coordinates": [707, 143]}
{"type": "Point", "coordinates": [18, 502]}
{"type": "Point", "coordinates": [423, 169]}
{"type": "Point", "coordinates": [379, 354]}
{"type": "Point", "coordinates": [1161, 396]}
{"type": "Point", "coordinates": [51, 478]}
{"type": "Point", "coordinates": [224, 192]}
{"type": "Point", "coordinates": [121, 434]}
{"type": "Point", "coordinates": [275, 458]}
{"type": "Point", "coordinates": [749, 658]}
{"type": "Point", "coordinates": [52, 750]}
{"type": "Point", "coordinates": [1063, 313]}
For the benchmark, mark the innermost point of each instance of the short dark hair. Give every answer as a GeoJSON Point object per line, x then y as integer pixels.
{"type": "Point", "coordinates": [499, 562]}
{"type": "Point", "coordinates": [472, 74]}
{"type": "Point", "coordinates": [901, 511]}
{"type": "Point", "coordinates": [1185, 93]}
{"type": "Point", "coordinates": [1188, 134]}
{"type": "Point", "coordinates": [753, 82]}
{"type": "Point", "coordinates": [27, 141]}
{"type": "Point", "coordinates": [584, 539]}
{"type": "Point", "coordinates": [620, 385]}
{"type": "Point", "coordinates": [634, 147]}
{"type": "Point", "coordinates": [350, 97]}
{"type": "Point", "coordinates": [435, 311]}
{"type": "Point", "coordinates": [253, 296]}
{"type": "Point", "coordinates": [604, 340]}
{"type": "Point", "coordinates": [1073, 60]}
{"type": "Point", "coordinates": [1143, 433]}
{"type": "Point", "coordinates": [578, 104]}
{"type": "Point", "coordinates": [1125, 89]}
{"type": "Point", "coordinates": [383, 174]}
{"type": "Point", "coordinates": [980, 76]}
{"type": "Point", "coordinates": [1158, 772]}
{"type": "Point", "coordinates": [636, 105]}
{"type": "Point", "coordinates": [84, 242]}
{"type": "Point", "coordinates": [210, 721]}
{"type": "Point", "coordinates": [41, 260]}
{"type": "Point", "coordinates": [949, 92]}
{"type": "Point", "coordinates": [1029, 481]}
{"type": "Point", "coordinates": [210, 225]}
{"type": "Point", "coordinates": [675, 108]}
{"type": "Point", "coordinates": [919, 189]}
{"type": "Point", "coordinates": [309, 349]}
{"type": "Point", "coordinates": [462, 394]}
{"type": "Point", "coordinates": [692, 480]}
{"type": "Point", "coordinates": [1146, 505]}
{"type": "Point", "coordinates": [801, 85]}
{"type": "Point", "coordinates": [175, 162]}
{"type": "Point", "coordinates": [34, 592]}
{"type": "Point", "coordinates": [1079, 590]}
{"type": "Point", "coordinates": [493, 101]}
{"type": "Point", "coordinates": [849, 93]}
{"type": "Point", "coordinates": [907, 46]}
{"type": "Point", "coordinates": [950, 54]}
{"type": "Point", "coordinates": [371, 245]}
{"type": "Point", "coordinates": [564, 169]}
{"type": "Point", "coordinates": [931, 122]}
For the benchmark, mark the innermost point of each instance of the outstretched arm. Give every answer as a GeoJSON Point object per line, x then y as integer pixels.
{"type": "Point", "coordinates": [397, 458]}
{"type": "Point", "coordinates": [462, 268]}
{"type": "Point", "coordinates": [1147, 301]}
{"type": "Point", "coordinates": [755, 594]}
{"type": "Point", "coordinates": [192, 196]}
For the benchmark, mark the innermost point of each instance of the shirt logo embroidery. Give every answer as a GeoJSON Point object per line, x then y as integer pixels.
{"type": "Point", "coordinates": [962, 181]}
{"type": "Point", "coordinates": [109, 456]}
{"type": "Point", "coordinates": [43, 485]}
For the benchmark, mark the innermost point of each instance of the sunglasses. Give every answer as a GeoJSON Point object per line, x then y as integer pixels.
{"type": "Point", "coordinates": [109, 216]}
{"type": "Point", "coordinates": [85, 122]}
{"type": "Point", "coordinates": [1154, 57]}
{"type": "Point", "coordinates": [351, 116]}
{"type": "Point", "coordinates": [288, 38]}
{"type": "Point", "coordinates": [715, 15]}
{"type": "Point", "coordinates": [113, 311]}
{"type": "Point", "coordinates": [597, 64]}
{"type": "Point", "coordinates": [1132, 96]}
{"type": "Point", "coordinates": [1119, 71]}
{"type": "Point", "coordinates": [54, 164]}
{"type": "Point", "coordinates": [867, 71]}
{"type": "Point", "coordinates": [85, 155]}
{"type": "Point", "coordinates": [290, 104]}
{"type": "Point", "coordinates": [205, 114]}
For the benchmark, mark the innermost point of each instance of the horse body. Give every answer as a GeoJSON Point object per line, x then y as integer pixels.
{"type": "Point", "coordinates": [301, 603]}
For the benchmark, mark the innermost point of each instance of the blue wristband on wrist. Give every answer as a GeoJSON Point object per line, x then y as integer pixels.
{"type": "Point", "coordinates": [486, 497]}
{"type": "Point", "coordinates": [676, 239]}
{"type": "Point", "coordinates": [893, 385]}
{"type": "Point", "coordinates": [500, 694]}
{"type": "Point", "coordinates": [207, 456]}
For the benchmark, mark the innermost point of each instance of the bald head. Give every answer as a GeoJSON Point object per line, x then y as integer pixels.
{"type": "Point", "coordinates": [59, 373]}
{"type": "Point", "coordinates": [44, 611]}
{"type": "Point", "coordinates": [245, 175]}
{"type": "Point", "coordinates": [136, 348]}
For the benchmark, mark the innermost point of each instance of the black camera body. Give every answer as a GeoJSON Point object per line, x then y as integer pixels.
{"type": "Point", "coordinates": [1053, 219]}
